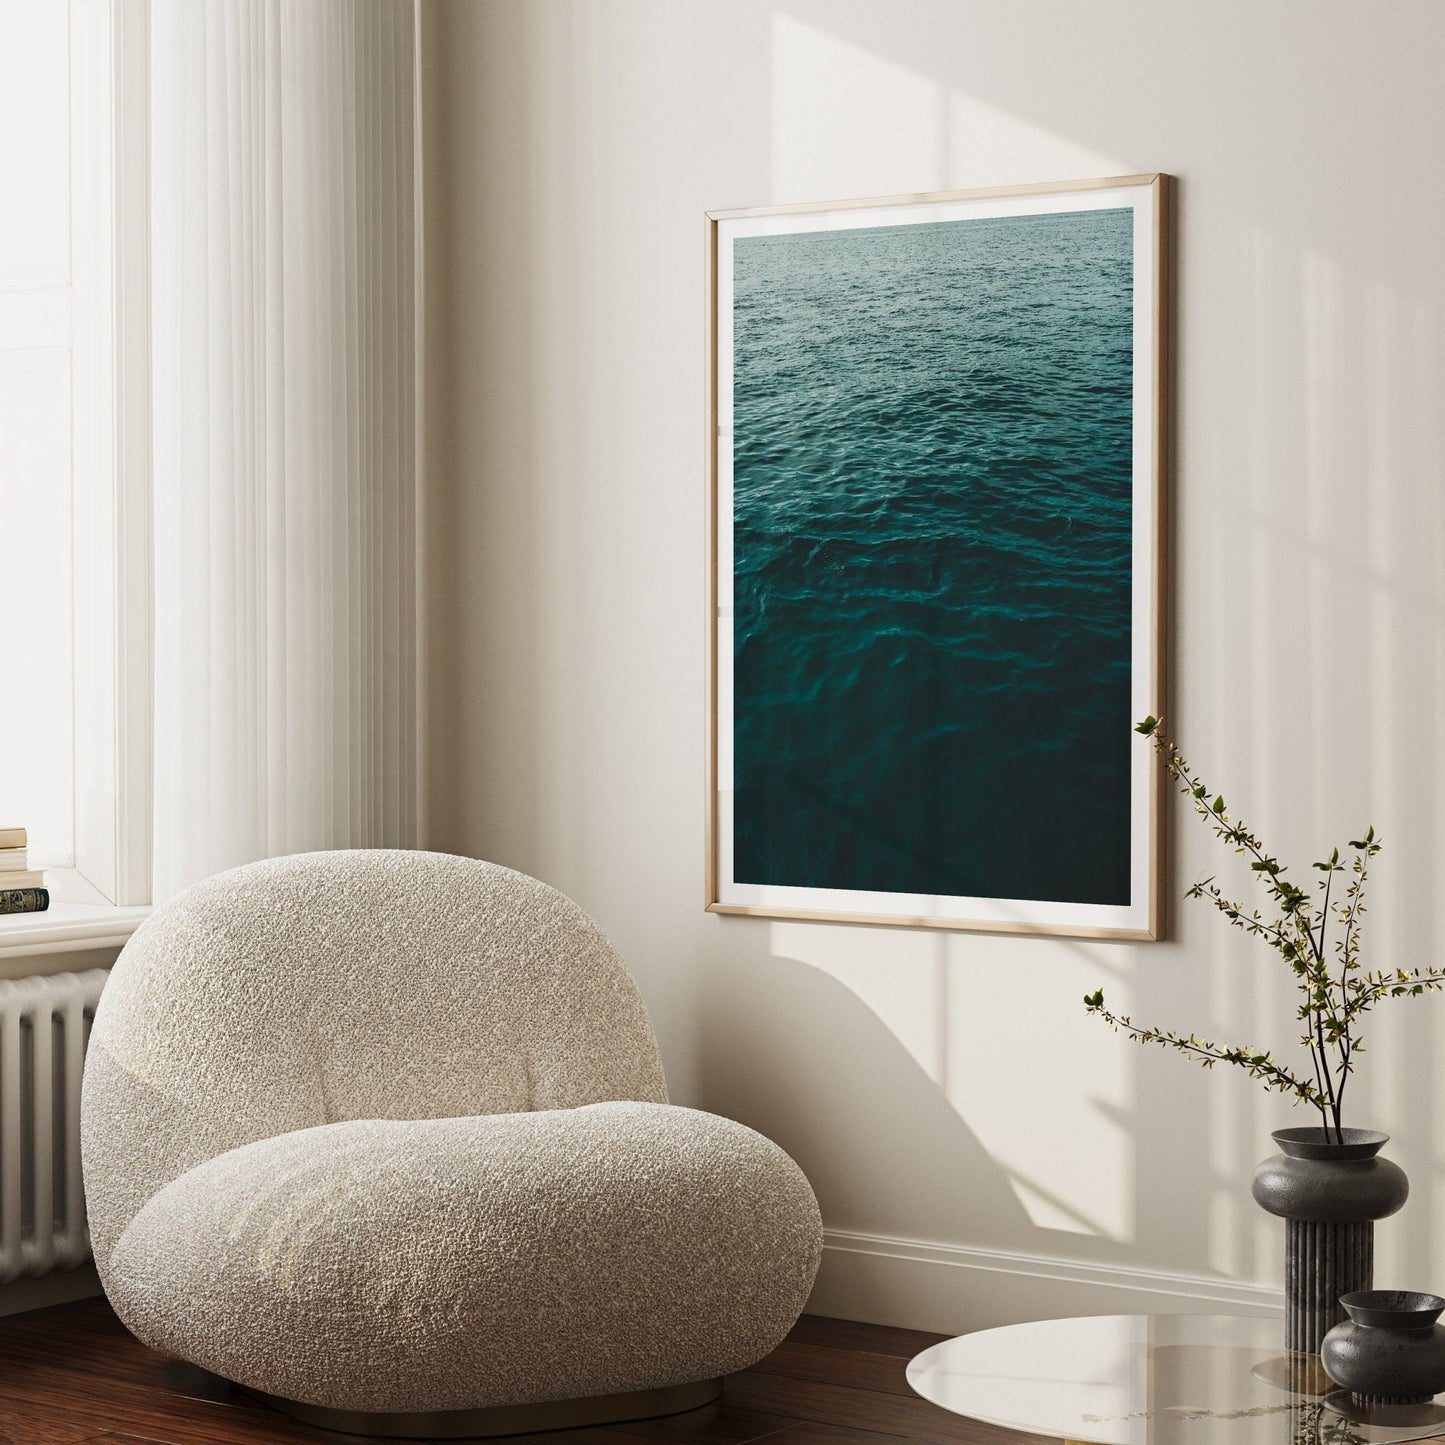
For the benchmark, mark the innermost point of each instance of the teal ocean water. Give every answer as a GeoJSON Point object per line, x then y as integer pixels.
{"type": "Point", "coordinates": [932, 522]}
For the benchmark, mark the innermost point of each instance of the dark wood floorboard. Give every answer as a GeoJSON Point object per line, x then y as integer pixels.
{"type": "Point", "coordinates": [716, 1424]}
{"type": "Point", "coordinates": [851, 1335]}
{"type": "Point", "coordinates": [862, 1369]}
{"type": "Point", "coordinates": [858, 1408]}
{"type": "Point", "coordinates": [73, 1375]}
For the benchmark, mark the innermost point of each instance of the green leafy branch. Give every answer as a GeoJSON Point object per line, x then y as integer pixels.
{"type": "Point", "coordinates": [1315, 932]}
{"type": "Point", "coordinates": [1256, 1063]}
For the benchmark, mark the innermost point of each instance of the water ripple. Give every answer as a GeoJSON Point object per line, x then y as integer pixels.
{"type": "Point", "coordinates": [932, 476]}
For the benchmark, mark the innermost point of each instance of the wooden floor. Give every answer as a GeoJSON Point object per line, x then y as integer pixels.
{"type": "Point", "coordinates": [73, 1374]}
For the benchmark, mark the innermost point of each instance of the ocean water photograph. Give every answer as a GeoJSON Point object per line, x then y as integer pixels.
{"type": "Point", "coordinates": [936, 513]}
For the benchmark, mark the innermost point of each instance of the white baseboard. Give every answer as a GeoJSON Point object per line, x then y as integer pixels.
{"type": "Point", "coordinates": [50, 1289]}
{"type": "Point", "coordinates": [911, 1283]}
{"type": "Point", "coordinates": [952, 1289]}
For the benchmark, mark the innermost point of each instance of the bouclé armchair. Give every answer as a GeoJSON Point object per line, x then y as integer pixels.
{"type": "Point", "coordinates": [384, 1135]}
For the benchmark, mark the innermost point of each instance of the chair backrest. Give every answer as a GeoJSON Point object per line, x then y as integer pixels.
{"type": "Point", "coordinates": [347, 985]}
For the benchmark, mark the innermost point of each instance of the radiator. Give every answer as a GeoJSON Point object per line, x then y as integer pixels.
{"type": "Point", "coordinates": [44, 1026]}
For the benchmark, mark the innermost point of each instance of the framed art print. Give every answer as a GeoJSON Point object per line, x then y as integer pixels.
{"type": "Point", "coordinates": [936, 441]}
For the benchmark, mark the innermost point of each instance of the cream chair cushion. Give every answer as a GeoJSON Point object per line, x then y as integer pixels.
{"type": "Point", "coordinates": [387, 1131]}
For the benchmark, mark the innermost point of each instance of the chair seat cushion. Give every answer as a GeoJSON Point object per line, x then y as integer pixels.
{"type": "Point", "coordinates": [463, 1263]}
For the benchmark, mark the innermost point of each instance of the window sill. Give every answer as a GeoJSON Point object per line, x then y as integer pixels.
{"type": "Point", "coordinates": [67, 928]}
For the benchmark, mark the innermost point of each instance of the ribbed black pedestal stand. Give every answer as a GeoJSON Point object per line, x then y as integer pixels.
{"type": "Point", "coordinates": [1322, 1261]}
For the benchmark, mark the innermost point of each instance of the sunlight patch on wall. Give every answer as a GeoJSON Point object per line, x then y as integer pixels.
{"type": "Point", "coordinates": [986, 146]}
{"type": "Point", "coordinates": [989, 1020]}
{"type": "Point", "coordinates": [1049, 1092]}
{"type": "Point", "coordinates": [848, 122]}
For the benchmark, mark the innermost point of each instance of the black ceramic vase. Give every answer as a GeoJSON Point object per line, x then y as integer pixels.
{"type": "Point", "coordinates": [1329, 1194]}
{"type": "Point", "coordinates": [1390, 1351]}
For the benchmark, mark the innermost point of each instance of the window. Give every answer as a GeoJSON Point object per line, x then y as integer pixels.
{"type": "Point", "coordinates": [74, 544]}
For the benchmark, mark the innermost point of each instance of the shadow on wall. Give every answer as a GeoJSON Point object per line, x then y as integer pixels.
{"type": "Point", "coordinates": [887, 1144]}
{"type": "Point", "coordinates": [949, 1088]}
{"type": "Point", "coordinates": [874, 1097]}
{"type": "Point", "coordinates": [923, 1107]}
{"type": "Point", "coordinates": [818, 1070]}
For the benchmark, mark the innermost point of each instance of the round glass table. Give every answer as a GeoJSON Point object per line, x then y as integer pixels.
{"type": "Point", "coordinates": [1157, 1380]}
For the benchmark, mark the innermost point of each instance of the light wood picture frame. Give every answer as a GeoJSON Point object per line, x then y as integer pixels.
{"type": "Point", "coordinates": [936, 456]}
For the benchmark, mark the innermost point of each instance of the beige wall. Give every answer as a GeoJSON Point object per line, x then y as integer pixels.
{"type": "Point", "coordinates": [949, 1089]}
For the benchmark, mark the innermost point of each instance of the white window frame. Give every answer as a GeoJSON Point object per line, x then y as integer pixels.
{"type": "Point", "coordinates": [108, 890]}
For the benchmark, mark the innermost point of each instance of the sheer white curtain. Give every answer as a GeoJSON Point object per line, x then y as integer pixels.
{"type": "Point", "coordinates": [284, 262]}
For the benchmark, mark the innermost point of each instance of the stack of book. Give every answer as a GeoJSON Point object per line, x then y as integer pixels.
{"type": "Point", "coordinates": [22, 888]}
